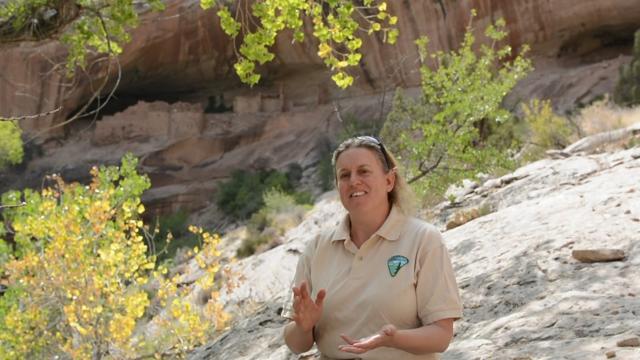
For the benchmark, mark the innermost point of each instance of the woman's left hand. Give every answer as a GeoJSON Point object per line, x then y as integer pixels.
{"type": "Point", "coordinates": [384, 337]}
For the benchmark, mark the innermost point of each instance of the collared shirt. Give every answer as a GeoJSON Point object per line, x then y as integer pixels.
{"type": "Point", "coordinates": [402, 275]}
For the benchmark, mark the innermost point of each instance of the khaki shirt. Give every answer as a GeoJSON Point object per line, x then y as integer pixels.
{"type": "Point", "coordinates": [402, 275]}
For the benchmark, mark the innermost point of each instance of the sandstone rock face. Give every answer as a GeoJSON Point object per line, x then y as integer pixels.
{"type": "Point", "coordinates": [183, 51]}
{"type": "Point", "coordinates": [524, 295]}
{"type": "Point", "coordinates": [186, 152]}
{"type": "Point", "coordinates": [145, 120]}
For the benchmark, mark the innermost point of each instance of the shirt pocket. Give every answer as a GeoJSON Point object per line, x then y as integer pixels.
{"type": "Point", "coordinates": [393, 295]}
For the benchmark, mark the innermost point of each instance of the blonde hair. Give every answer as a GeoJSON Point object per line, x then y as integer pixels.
{"type": "Point", "coordinates": [401, 195]}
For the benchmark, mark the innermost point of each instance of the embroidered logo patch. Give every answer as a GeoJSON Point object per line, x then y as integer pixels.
{"type": "Point", "coordinates": [395, 263]}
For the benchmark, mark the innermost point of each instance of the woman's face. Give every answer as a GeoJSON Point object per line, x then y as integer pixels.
{"type": "Point", "coordinates": [362, 182]}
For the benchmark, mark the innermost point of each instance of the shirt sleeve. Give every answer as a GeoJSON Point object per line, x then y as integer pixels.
{"type": "Point", "coordinates": [303, 273]}
{"type": "Point", "coordinates": [436, 289]}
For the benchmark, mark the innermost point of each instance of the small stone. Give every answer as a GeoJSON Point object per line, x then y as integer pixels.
{"type": "Point", "coordinates": [627, 212]}
{"type": "Point", "coordinates": [598, 255]}
{"type": "Point", "coordinates": [610, 354]}
{"type": "Point", "coordinates": [557, 154]}
{"type": "Point", "coordinates": [629, 342]}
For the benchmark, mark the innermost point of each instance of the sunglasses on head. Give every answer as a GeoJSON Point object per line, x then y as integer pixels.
{"type": "Point", "coordinates": [378, 143]}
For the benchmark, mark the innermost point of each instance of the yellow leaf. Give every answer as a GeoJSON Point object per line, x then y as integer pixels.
{"type": "Point", "coordinates": [324, 50]}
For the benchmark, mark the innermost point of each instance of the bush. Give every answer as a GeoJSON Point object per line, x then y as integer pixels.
{"type": "Point", "coordinates": [325, 172]}
{"type": "Point", "coordinates": [242, 195]}
{"type": "Point", "coordinates": [77, 270]}
{"type": "Point", "coordinates": [445, 135]}
{"type": "Point", "coordinates": [175, 223]}
{"type": "Point", "coordinates": [280, 213]}
{"type": "Point", "coordinates": [603, 115]}
{"type": "Point", "coordinates": [547, 130]}
{"type": "Point", "coordinates": [173, 226]}
{"type": "Point", "coordinates": [11, 151]}
{"type": "Point", "coordinates": [627, 91]}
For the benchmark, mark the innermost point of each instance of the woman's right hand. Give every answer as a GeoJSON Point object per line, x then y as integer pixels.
{"type": "Point", "coordinates": [306, 311]}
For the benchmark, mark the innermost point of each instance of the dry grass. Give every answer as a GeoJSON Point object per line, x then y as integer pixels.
{"type": "Point", "coordinates": [604, 116]}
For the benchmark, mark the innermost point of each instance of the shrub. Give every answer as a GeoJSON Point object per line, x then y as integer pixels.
{"type": "Point", "coordinates": [281, 212]}
{"type": "Point", "coordinates": [445, 135]}
{"type": "Point", "coordinates": [627, 91]}
{"type": "Point", "coordinates": [175, 223]}
{"type": "Point", "coordinates": [77, 268]}
{"type": "Point", "coordinates": [325, 172]}
{"type": "Point", "coordinates": [547, 130]}
{"type": "Point", "coordinates": [242, 195]}
{"type": "Point", "coordinates": [603, 115]}
{"type": "Point", "coordinates": [11, 151]}
{"type": "Point", "coordinates": [175, 227]}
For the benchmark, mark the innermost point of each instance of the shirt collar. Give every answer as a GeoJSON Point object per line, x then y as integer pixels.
{"type": "Point", "coordinates": [389, 230]}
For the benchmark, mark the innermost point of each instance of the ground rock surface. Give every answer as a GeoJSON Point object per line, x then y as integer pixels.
{"type": "Point", "coordinates": [524, 295]}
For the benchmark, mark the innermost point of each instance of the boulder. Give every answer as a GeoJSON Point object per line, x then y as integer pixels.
{"type": "Point", "coordinates": [629, 342]}
{"type": "Point", "coordinates": [598, 255]}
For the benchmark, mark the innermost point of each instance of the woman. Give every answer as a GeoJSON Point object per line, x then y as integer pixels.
{"type": "Point", "coordinates": [380, 285]}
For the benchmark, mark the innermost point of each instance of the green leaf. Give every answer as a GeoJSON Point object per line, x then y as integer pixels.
{"type": "Point", "coordinates": [207, 4]}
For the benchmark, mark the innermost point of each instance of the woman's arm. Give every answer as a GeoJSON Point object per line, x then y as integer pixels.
{"type": "Point", "coordinates": [297, 339]}
{"type": "Point", "coordinates": [427, 339]}
{"type": "Point", "coordinates": [423, 340]}
{"type": "Point", "coordinates": [298, 334]}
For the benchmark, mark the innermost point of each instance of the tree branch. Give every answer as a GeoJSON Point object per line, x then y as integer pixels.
{"type": "Point", "coordinates": [424, 172]}
{"type": "Point", "coordinates": [28, 117]}
{"type": "Point", "coordinates": [12, 206]}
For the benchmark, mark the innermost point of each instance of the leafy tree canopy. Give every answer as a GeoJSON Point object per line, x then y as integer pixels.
{"type": "Point", "coordinates": [81, 279]}
{"type": "Point", "coordinates": [452, 131]}
{"type": "Point", "coordinates": [103, 26]}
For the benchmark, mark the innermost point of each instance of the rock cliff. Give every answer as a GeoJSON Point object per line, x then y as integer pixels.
{"type": "Point", "coordinates": [181, 54]}
{"type": "Point", "coordinates": [181, 109]}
